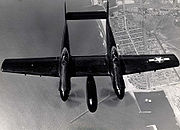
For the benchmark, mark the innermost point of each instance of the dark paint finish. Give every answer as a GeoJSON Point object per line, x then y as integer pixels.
{"type": "Point", "coordinates": [91, 92]}
{"type": "Point", "coordinates": [116, 76]}
{"type": "Point", "coordinates": [140, 63]}
{"type": "Point", "coordinates": [64, 64]}
{"type": "Point", "coordinates": [48, 66]}
{"type": "Point", "coordinates": [89, 65]}
{"type": "Point", "coordinates": [86, 15]}
{"type": "Point", "coordinates": [67, 66]}
{"type": "Point", "coordinates": [65, 81]}
{"type": "Point", "coordinates": [114, 61]}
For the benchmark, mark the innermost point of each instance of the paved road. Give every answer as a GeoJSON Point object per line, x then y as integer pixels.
{"type": "Point", "coordinates": [34, 29]}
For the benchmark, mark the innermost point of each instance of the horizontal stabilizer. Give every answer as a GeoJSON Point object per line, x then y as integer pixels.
{"type": "Point", "coordinates": [86, 15]}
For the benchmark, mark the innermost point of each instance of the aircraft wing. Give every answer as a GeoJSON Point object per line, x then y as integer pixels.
{"type": "Point", "coordinates": [49, 66]}
{"type": "Point", "coordinates": [89, 65]}
{"type": "Point", "coordinates": [141, 63]}
{"type": "Point", "coordinates": [98, 65]}
{"type": "Point", "coordinates": [33, 66]}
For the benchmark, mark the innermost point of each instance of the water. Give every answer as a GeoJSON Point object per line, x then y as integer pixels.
{"type": "Point", "coordinates": [85, 37]}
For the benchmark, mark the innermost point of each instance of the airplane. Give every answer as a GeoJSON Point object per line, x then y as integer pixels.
{"type": "Point", "coordinates": [110, 64]}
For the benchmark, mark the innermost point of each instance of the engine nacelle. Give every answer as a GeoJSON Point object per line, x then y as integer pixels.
{"type": "Point", "coordinates": [65, 81]}
{"type": "Point", "coordinates": [116, 75]}
{"type": "Point", "coordinates": [92, 101]}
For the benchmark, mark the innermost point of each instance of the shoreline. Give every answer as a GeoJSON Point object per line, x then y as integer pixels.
{"type": "Point", "coordinates": [132, 88]}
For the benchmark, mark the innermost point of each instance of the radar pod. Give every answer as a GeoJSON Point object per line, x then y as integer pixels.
{"type": "Point", "coordinates": [91, 92]}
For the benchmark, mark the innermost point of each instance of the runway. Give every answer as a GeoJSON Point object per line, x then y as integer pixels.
{"type": "Point", "coordinates": [161, 113]}
{"type": "Point", "coordinates": [34, 29]}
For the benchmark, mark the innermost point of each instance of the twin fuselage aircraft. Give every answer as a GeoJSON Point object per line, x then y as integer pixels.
{"type": "Point", "coordinates": [111, 64]}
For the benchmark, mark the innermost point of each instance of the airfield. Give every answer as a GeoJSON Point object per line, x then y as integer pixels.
{"type": "Point", "coordinates": [34, 29]}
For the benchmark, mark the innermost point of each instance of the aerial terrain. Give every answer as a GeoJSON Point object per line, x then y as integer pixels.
{"type": "Point", "coordinates": [34, 29]}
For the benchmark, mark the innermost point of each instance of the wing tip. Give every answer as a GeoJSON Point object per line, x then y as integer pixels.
{"type": "Point", "coordinates": [176, 61]}
{"type": "Point", "coordinates": [2, 66]}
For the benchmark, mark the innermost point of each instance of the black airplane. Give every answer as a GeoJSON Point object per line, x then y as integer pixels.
{"type": "Point", "coordinates": [66, 66]}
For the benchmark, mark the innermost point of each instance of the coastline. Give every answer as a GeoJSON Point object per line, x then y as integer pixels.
{"type": "Point", "coordinates": [131, 88]}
